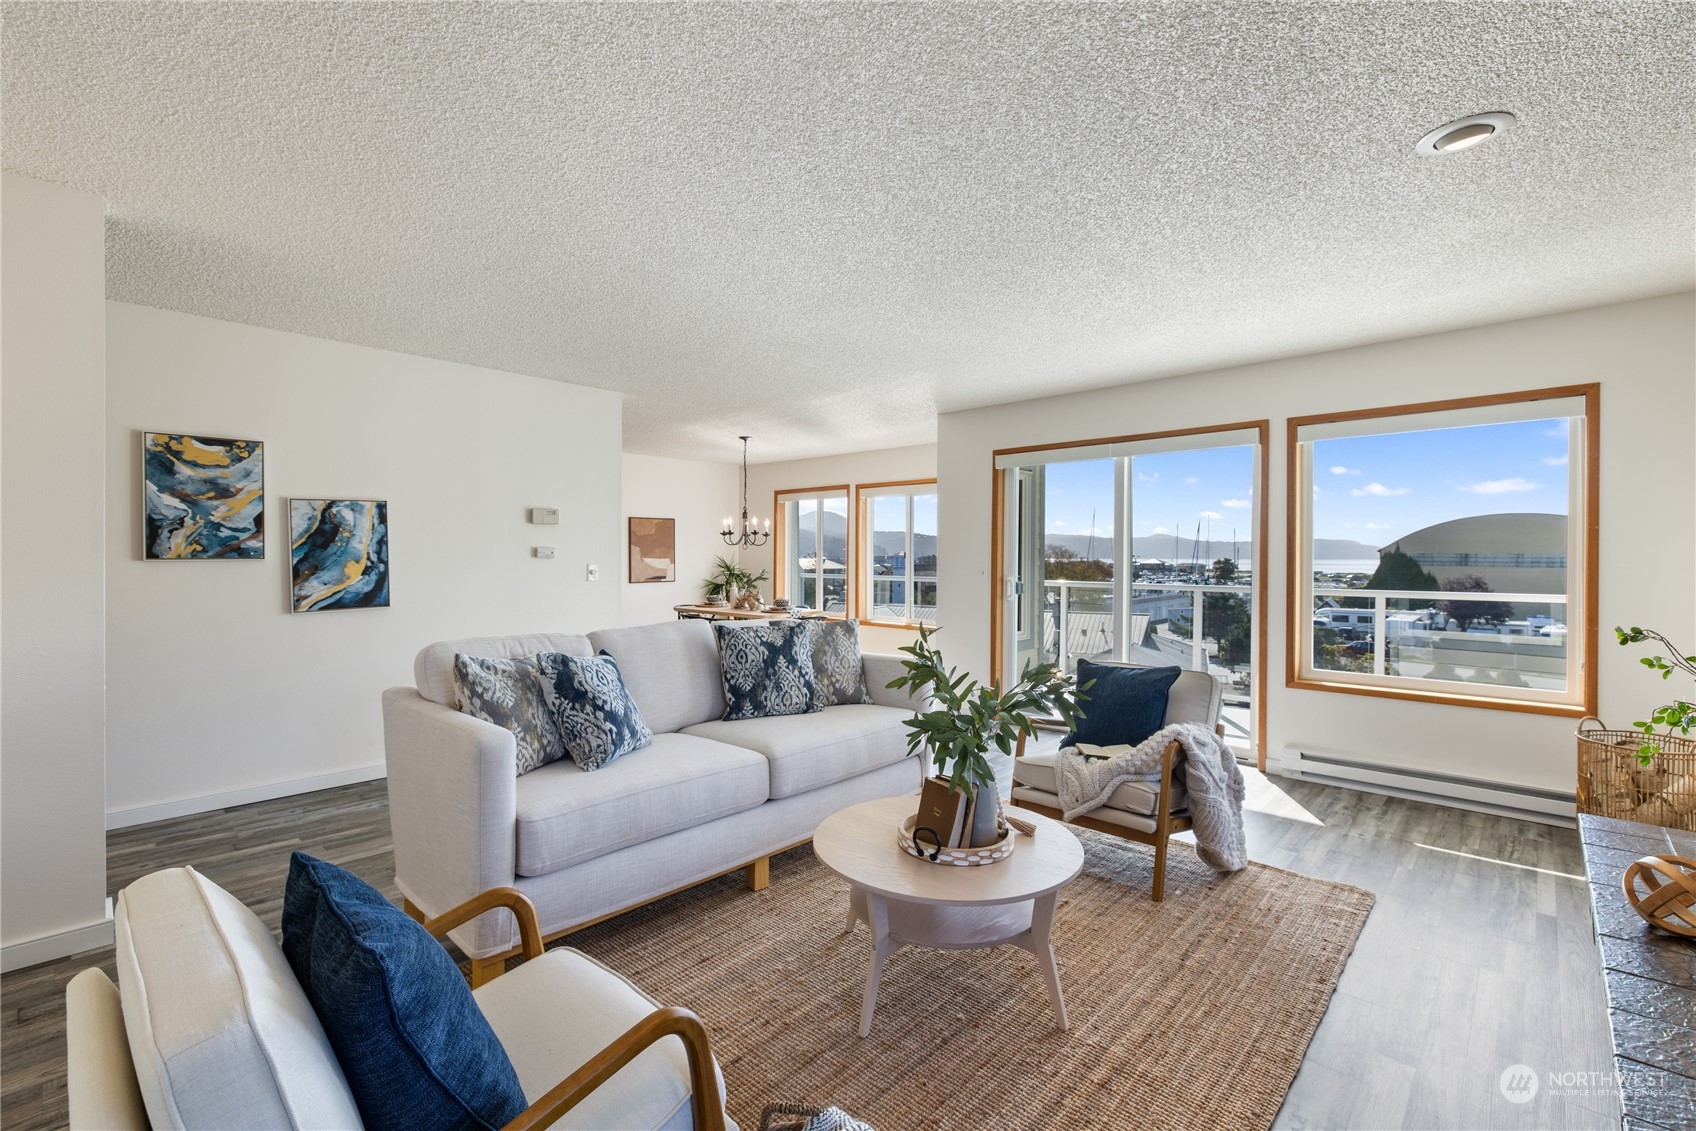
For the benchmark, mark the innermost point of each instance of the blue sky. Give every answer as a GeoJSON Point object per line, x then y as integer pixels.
{"type": "Point", "coordinates": [1371, 489]}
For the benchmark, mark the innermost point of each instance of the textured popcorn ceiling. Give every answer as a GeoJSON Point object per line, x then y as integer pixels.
{"type": "Point", "coordinates": [821, 224]}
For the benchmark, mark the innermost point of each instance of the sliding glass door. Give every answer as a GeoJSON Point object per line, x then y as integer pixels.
{"type": "Point", "coordinates": [1142, 551]}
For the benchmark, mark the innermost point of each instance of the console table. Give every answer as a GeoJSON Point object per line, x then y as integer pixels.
{"type": "Point", "coordinates": [1651, 976]}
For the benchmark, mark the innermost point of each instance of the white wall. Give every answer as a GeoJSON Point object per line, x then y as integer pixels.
{"type": "Point", "coordinates": [698, 495]}
{"type": "Point", "coordinates": [881, 466]}
{"type": "Point", "coordinates": [52, 572]}
{"type": "Point", "coordinates": [217, 691]}
{"type": "Point", "coordinates": [1644, 355]}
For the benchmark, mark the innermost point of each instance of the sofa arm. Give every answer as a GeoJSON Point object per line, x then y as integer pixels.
{"type": "Point", "coordinates": [453, 809]}
{"type": "Point", "coordinates": [100, 1082]}
{"type": "Point", "coordinates": [880, 668]}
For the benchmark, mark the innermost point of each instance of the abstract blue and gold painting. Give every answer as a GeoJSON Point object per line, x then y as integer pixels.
{"type": "Point", "coordinates": [338, 554]}
{"type": "Point", "coordinates": [202, 497]}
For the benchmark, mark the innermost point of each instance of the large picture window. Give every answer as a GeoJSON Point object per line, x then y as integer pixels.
{"type": "Point", "coordinates": [1446, 551]}
{"type": "Point", "coordinates": [897, 552]}
{"type": "Point", "coordinates": [812, 548]}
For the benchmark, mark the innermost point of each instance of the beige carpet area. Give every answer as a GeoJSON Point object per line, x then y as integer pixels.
{"type": "Point", "coordinates": [1192, 1013]}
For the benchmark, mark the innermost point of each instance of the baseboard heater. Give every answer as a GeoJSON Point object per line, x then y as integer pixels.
{"type": "Point", "coordinates": [1549, 806]}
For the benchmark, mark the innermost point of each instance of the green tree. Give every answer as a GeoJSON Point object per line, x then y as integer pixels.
{"type": "Point", "coordinates": [1062, 564]}
{"type": "Point", "coordinates": [1224, 572]}
{"type": "Point", "coordinates": [1397, 570]}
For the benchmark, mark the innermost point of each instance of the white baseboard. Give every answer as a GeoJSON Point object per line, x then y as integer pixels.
{"type": "Point", "coordinates": [206, 803]}
{"type": "Point", "coordinates": [32, 952]}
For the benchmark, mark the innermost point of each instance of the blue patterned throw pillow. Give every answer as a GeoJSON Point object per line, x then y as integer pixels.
{"type": "Point", "coordinates": [767, 668]}
{"type": "Point", "coordinates": [509, 693]}
{"type": "Point", "coordinates": [416, 1051]}
{"type": "Point", "coordinates": [591, 708]}
{"type": "Point", "coordinates": [839, 675]}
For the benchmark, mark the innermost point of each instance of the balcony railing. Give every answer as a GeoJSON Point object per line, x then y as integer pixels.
{"type": "Point", "coordinates": [1168, 624]}
{"type": "Point", "coordinates": [1403, 635]}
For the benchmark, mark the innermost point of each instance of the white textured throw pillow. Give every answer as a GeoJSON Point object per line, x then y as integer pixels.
{"type": "Point", "coordinates": [221, 1033]}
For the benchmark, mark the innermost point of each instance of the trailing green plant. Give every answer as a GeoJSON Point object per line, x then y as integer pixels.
{"type": "Point", "coordinates": [968, 717]}
{"type": "Point", "coordinates": [1680, 714]}
{"type": "Point", "coordinates": [728, 575]}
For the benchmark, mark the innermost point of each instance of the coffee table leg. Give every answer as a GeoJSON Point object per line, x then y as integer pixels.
{"type": "Point", "coordinates": [1042, 945]}
{"type": "Point", "coordinates": [877, 914]}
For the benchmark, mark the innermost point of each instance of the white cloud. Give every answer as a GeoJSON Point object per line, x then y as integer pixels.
{"type": "Point", "coordinates": [1380, 490]}
{"type": "Point", "coordinates": [1238, 502]}
{"type": "Point", "coordinates": [1057, 524]}
{"type": "Point", "coordinates": [1142, 478]}
{"type": "Point", "coordinates": [1500, 486]}
{"type": "Point", "coordinates": [1208, 514]}
{"type": "Point", "coordinates": [1348, 526]}
{"type": "Point", "coordinates": [1341, 470]}
{"type": "Point", "coordinates": [1555, 461]}
{"type": "Point", "coordinates": [1377, 526]}
{"type": "Point", "coordinates": [1160, 530]}
{"type": "Point", "coordinates": [1192, 481]}
{"type": "Point", "coordinates": [1556, 430]}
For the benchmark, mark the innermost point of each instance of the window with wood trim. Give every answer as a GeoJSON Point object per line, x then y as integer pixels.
{"type": "Point", "coordinates": [812, 548]}
{"type": "Point", "coordinates": [897, 552]}
{"type": "Point", "coordinates": [1446, 551]}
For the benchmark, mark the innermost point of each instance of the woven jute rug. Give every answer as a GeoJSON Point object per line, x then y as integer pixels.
{"type": "Point", "coordinates": [1192, 1013]}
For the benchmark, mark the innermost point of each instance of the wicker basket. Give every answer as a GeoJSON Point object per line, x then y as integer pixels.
{"type": "Point", "coordinates": [1611, 783]}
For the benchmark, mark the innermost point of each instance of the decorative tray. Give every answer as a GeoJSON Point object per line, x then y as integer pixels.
{"type": "Point", "coordinates": [1001, 849]}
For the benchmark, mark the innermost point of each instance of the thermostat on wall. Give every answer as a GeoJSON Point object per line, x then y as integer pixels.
{"type": "Point", "coordinates": [544, 516]}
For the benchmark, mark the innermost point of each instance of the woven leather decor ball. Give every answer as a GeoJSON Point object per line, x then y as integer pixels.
{"type": "Point", "coordinates": [1668, 900]}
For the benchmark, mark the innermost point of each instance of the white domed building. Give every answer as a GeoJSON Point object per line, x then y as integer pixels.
{"type": "Point", "coordinates": [1514, 553]}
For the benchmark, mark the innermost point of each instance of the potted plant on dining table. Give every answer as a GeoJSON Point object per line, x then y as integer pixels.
{"type": "Point", "coordinates": [967, 718]}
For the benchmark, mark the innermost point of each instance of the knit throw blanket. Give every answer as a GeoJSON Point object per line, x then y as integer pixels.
{"type": "Point", "coordinates": [1205, 766]}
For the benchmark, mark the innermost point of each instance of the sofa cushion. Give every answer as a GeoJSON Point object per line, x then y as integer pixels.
{"type": "Point", "coordinates": [767, 668]}
{"type": "Point", "coordinates": [510, 693]}
{"type": "Point", "coordinates": [567, 815]}
{"type": "Point", "coordinates": [221, 1033]}
{"type": "Point", "coordinates": [432, 669]}
{"type": "Point", "coordinates": [839, 673]}
{"type": "Point", "coordinates": [1038, 771]}
{"type": "Point", "coordinates": [525, 1007]}
{"type": "Point", "coordinates": [587, 701]}
{"type": "Point", "coordinates": [1125, 704]}
{"type": "Point", "coordinates": [415, 1048]}
{"type": "Point", "coordinates": [671, 670]}
{"type": "Point", "coordinates": [818, 749]}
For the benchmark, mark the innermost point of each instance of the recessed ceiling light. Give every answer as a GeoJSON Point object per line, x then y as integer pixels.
{"type": "Point", "coordinates": [1464, 133]}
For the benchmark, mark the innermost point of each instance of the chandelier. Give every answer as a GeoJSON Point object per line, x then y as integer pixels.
{"type": "Point", "coordinates": [749, 534]}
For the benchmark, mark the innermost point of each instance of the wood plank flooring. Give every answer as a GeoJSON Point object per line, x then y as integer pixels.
{"type": "Point", "coordinates": [1477, 957]}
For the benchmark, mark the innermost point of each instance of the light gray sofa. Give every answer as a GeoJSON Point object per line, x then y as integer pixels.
{"type": "Point", "coordinates": [705, 798]}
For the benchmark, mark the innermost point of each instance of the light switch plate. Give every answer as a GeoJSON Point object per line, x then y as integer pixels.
{"type": "Point", "coordinates": [593, 572]}
{"type": "Point", "coordinates": [544, 516]}
{"type": "Point", "coordinates": [544, 551]}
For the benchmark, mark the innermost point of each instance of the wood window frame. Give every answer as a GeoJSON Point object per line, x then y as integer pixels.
{"type": "Point", "coordinates": [861, 499]}
{"type": "Point", "coordinates": [779, 539]}
{"type": "Point", "coordinates": [998, 530]}
{"type": "Point", "coordinates": [1589, 591]}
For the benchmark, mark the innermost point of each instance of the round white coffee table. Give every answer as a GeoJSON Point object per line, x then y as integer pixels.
{"type": "Point", "coordinates": [912, 902]}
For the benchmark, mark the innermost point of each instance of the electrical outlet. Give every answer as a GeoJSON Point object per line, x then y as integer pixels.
{"type": "Point", "coordinates": [544, 551]}
{"type": "Point", "coordinates": [593, 573]}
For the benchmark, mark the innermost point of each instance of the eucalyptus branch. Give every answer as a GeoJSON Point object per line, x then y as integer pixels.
{"type": "Point", "coordinates": [969, 718]}
{"type": "Point", "coordinates": [1680, 714]}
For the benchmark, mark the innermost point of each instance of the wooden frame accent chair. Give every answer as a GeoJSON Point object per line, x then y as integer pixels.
{"type": "Point", "coordinates": [228, 1037]}
{"type": "Point", "coordinates": [1146, 812]}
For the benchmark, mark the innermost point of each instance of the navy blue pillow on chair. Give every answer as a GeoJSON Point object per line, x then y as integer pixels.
{"type": "Point", "coordinates": [1126, 705]}
{"type": "Point", "coordinates": [417, 1052]}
